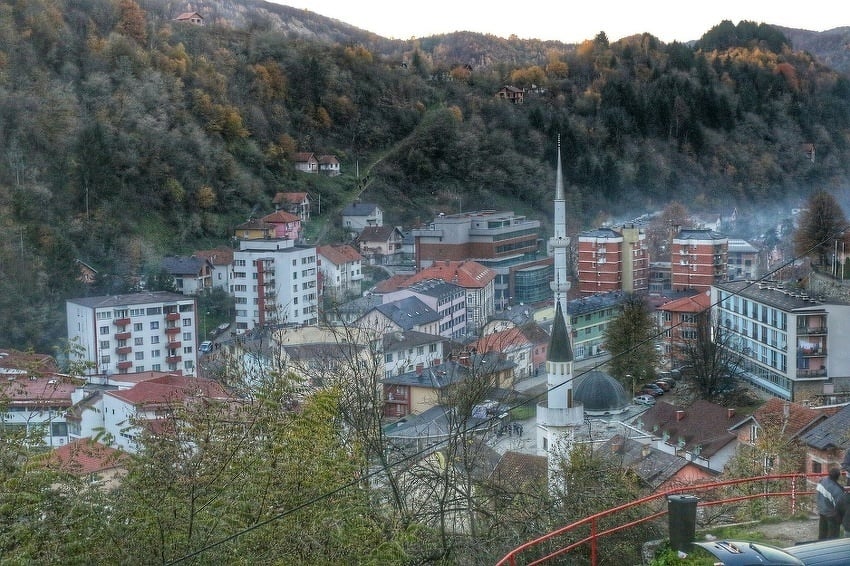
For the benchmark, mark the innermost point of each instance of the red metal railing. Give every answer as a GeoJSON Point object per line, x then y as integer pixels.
{"type": "Point", "coordinates": [797, 485]}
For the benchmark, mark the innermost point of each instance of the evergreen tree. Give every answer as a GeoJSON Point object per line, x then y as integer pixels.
{"type": "Point", "coordinates": [629, 339]}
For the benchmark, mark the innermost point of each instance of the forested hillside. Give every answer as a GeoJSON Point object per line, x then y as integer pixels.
{"type": "Point", "coordinates": [126, 136]}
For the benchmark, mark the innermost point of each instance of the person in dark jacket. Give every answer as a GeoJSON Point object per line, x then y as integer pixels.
{"type": "Point", "coordinates": [830, 502]}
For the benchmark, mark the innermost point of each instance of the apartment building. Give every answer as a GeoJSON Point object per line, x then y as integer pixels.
{"type": "Point", "coordinates": [340, 267]}
{"type": "Point", "coordinates": [743, 260]}
{"type": "Point", "coordinates": [138, 332]}
{"type": "Point", "coordinates": [274, 282]}
{"type": "Point", "coordinates": [508, 244]}
{"type": "Point", "coordinates": [589, 319]}
{"type": "Point", "coordinates": [699, 259]}
{"type": "Point", "coordinates": [446, 299]}
{"type": "Point", "coordinates": [792, 344]}
{"type": "Point", "coordinates": [678, 319]}
{"type": "Point", "coordinates": [612, 259]}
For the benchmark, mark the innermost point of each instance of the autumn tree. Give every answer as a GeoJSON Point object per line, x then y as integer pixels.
{"type": "Point", "coordinates": [821, 226]}
{"type": "Point", "coordinates": [629, 339]}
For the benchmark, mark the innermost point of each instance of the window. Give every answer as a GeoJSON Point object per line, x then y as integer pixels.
{"type": "Point", "coordinates": [104, 330]}
{"type": "Point", "coordinates": [187, 349]}
{"type": "Point", "coordinates": [104, 344]}
{"type": "Point", "coordinates": [156, 367]}
{"type": "Point", "coordinates": [140, 355]}
{"type": "Point", "coordinates": [154, 339]}
{"type": "Point", "coordinates": [154, 325]}
{"type": "Point", "coordinates": [138, 341]}
{"type": "Point", "coordinates": [187, 336]}
{"type": "Point", "coordinates": [388, 357]}
{"type": "Point", "coordinates": [188, 365]}
{"type": "Point", "coordinates": [104, 359]}
{"type": "Point", "coordinates": [138, 326]}
{"type": "Point", "coordinates": [156, 354]}
{"type": "Point", "coordinates": [187, 322]}
{"type": "Point", "coordinates": [154, 310]}
{"type": "Point", "coordinates": [817, 467]}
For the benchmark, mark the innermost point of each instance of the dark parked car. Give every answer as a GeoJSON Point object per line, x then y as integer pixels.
{"type": "Point", "coordinates": [652, 387]}
{"type": "Point", "coordinates": [662, 384]}
{"type": "Point", "coordinates": [833, 552]}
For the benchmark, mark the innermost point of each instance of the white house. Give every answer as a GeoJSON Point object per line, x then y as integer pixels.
{"type": "Point", "coordinates": [359, 215]}
{"type": "Point", "coordinates": [341, 269]}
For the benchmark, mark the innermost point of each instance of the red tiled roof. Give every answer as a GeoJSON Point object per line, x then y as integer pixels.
{"type": "Point", "coordinates": [218, 256]}
{"type": "Point", "coordinates": [772, 413]}
{"type": "Point", "coordinates": [169, 389]}
{"type": "Point", "coordinates": [294, 198]}
{"type": "Point", "coordinates": [703, 424]}
{"type": "Point", "coordinates": [280, 217]}
{"type": "Point", "coordinates": [516, 468]}
{"type": "Point", "coordinates": [467, 274]}
{"type": "Point", "coordinates": [303, 156]}
{"type": "Point", "coordinates": [499, 341]}
{"type": "Point", "coordinates": [339, 254]}
{"type": "Point", "coordinates": [376, 233]}
{"type": "Point", "coordinates": [85, 456]}
{"type": "Point", "coordinates": [30, 391]}
{"type": "Point", "coordinates": [328, 159]}
{"type": "Point", "coordinates": [696, 303]}
{"type": "Point", "coordinates": [394, 283]}
{"type": "Point", "coordinates": [30, 361]}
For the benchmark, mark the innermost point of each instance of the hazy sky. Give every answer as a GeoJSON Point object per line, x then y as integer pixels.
{"type": "Point", "coordinates": [576, 20]}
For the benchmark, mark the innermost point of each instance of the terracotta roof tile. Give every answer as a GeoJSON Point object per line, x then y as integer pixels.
{"type": "Point", "coordinates": [339, 254]}
{"type": "Point", "coordinates": [280, 217]}
{"type": "Point", "coordinates": [467, 274]}
{"type": "Point", "coordinates": [85, 456]}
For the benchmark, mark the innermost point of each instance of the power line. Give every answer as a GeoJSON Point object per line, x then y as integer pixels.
{"type": "Point", "coordinates": [491, 420]}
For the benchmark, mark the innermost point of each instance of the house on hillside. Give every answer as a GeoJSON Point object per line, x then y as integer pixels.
{"type": "Point", "coordinates": [827, 442]}
{"type": "Point", "coordinates": [89, 459]}
{"type": "Point", "coordinates": [328, 165]}
{"type": "Point", "coordinates": [341, 269]}
{"type": "Point", "coordinates": [360, 215]}
{"type": "Point", "coordinates": [220, 260]}
{"type": "Point", "coordinates": [306, 162]}
{"type": "Point", "coordinates": [512, 94]}
{"type": "Point", "coordinates": [191, 18]}
{"type": "Point", "coordinates": [380, 244]}
{"type": "Point", "coordinates": [294, 203]}
{"type": "Point", "coordinates": [254, 229]}
{"type": "Point", "coordinates": [286, 226]}
{"type": "Point", "coordinates": [658, 470]}
{"type": "Point", "coordinates": [192, 275]}
{"type": "Point", "coordinates": [792, 420]}
{"type": "Point", "coordinates": [700, 433]}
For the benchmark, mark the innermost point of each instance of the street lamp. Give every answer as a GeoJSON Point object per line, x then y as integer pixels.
{"type": "Point", "coordinates": [630, 376]}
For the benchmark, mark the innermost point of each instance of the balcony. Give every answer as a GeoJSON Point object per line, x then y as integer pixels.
{"type": "Point", "coordinates": [173, 359]}
{"type": "Point", "coordinates": [812, 331]}
{"type": "Point", "coordinates": [122, 335]}
{"type": "Point", "coordinates": [817, 352]}
{"type": "Point", "coordinates": [808, 373]}
{"type": "Point", "coordinates": [123, 350]}
{"type": "Point", "coordinates": [125, 365]}
{"type": "Point", "coordinates": [121, 321]}
{"type": "Point", "coordinates": [171, 330]}
{"type": "Point", "coordinates": [172, 316]}
{"type": "Point", "coordinates": [174, 345]}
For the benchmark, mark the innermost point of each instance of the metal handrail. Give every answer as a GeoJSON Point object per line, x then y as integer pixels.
{"type": "Point", "coordinates": [797, 489]}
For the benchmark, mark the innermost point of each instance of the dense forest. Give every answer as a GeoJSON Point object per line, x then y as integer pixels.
{"type": "Point", "coordinates": [126, 136]}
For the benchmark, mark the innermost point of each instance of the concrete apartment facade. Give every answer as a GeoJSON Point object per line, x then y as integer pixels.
{"type": "Point", "coordinates": [274, 282]}
{"type": "Point", "coordinates": [138, 332]}
{"type": "Point", "coordinates": [506, 243]}
{"type": "Point", "coordinates": [612, 259]}
{"type": "Point", "coordinates": [698, 258]}
{"type": "Point", "coordinates": [792, 344]}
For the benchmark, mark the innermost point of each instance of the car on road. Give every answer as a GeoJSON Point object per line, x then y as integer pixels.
{"type": "Point", "coordinates": [653, 389]}
{"type": "Point", "coordinates": [644, 400]}
{"type": "Point", "coordinates": [832, 552]}
{"type": "Point", "coordinates": [662, 384]}
{"type": "Point", "coordinates": [206, 346]}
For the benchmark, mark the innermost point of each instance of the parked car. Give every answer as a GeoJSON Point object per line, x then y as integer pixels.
{"type": "Point", "coordinates": [832, 552]}
{"type": "Point", "coordinates": [654, 388]}
{"type": "Point", "coordinates": [206, 346]}
{"type": "Point", "coordinates": [651, 392]}
{"type": "Point", "coordinates": [662, 384]}
{"type": "Point", "coordinates": [644, 400]}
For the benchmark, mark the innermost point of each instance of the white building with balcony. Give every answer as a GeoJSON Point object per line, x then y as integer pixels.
{"type": "Point", "coordinates": [156, 331]}
{"type": "Point", "coordinates": [274, 282]}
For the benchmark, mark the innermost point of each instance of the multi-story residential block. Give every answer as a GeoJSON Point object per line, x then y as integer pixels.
{"type": "Point", "coordinates": [136, 332]}
{"type": "Point", "coordinates": [589, 318]}
{"type": "Point", "coordinates": [677, 319]}
{"type": "Point", "coordinates": [792, 345]}
{"type": "Point", "coordinates": [508, 244]}
{"type": "Point", "coordinates": [660, 277]}
{"type": "Point", "coordinates": [613, 260]}
{"type": "Point", "coordinates": [699, 259]}
{"type": "Point", "coordinates": [477, 281]}
{"type": "Point", "coordinates": [340, 270]}
{"type": "Point", "coordinates": [274, 282]}
{"type": "Point", "coordinates": [446, 299]}
{"type": "Point", "coordinates": [743, 260]}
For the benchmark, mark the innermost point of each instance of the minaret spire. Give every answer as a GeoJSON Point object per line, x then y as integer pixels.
{"type": "Point", "coordinates": [559, 243]}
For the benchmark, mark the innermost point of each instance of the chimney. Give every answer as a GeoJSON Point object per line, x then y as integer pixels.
{"type": "Point", "coordinates": [419, 367]}
{"type": "Point", "coordinates": [644, 451]}
{"type": "Point", "coordinates": [730, 412]}
{"type": "Point", "coordinates": [680, 415]}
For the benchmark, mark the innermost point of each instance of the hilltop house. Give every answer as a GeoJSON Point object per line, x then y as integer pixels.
{"type": "Point", "coordinates": [380, 244]}
{"type": "Point", "coordinates": [360, 215]}
{"type": "Point", "coordinates": [512, 94]}
{"type": "Point", "coordinates": [220, 261]}
{"type": "Point", "coordinates": [293, 203]}
{"type": "Point", "coordinates": [285, 226]}
{"type": "Point", "coordinates": [190, 17]}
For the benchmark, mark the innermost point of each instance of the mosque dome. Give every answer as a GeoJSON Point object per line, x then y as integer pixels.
{"type": "Point", "coordinates": [600, 394]}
